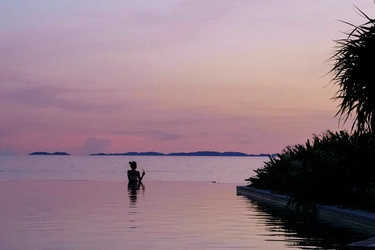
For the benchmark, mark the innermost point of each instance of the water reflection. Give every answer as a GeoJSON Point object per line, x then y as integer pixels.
{"type": "Point", "coordinates": [90, 215]}
{"type": "Point", "coordinates": [303, 232]}
{"type": "Point", "coordinates": [134, 189]}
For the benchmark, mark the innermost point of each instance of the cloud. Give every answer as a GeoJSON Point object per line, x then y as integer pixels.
{"type": "Point", "coordinates": [94, 145]}
{"type": "Point", "coordinates": [54, 97]}
{"type": "Point", "coordinates": [153, 134]}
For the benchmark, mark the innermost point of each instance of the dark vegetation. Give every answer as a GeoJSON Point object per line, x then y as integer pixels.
{"type": "Point", "coordinates": [335, 167]}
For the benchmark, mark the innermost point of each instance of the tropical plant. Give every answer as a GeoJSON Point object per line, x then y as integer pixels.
{"type": "Point", "coordinates": [353, 72]}
{"type": "Point", "coordinates": [333, 168]}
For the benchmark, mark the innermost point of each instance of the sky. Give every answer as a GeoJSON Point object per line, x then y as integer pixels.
{"type": "Point", "coordinates": [168, 75]}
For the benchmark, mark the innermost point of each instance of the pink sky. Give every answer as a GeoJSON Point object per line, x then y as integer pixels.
{"type": "Point", "coordinates": [169, 76]}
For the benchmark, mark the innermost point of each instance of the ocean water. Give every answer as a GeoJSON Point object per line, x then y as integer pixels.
{"type": "Point", "coordinates": [113, 168]}
{"type": "Point", "coordinates": [66, 202]}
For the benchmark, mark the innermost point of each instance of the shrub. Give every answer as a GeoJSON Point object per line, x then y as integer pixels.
{"type": "Point", "coordinates": [333, 168]}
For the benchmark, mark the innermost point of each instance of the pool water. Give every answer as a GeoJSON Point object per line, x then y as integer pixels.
{"type": "Point", "coordinates": [89, 215]}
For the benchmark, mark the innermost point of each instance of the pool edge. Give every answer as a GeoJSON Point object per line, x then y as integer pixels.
{"type": "Point", "coordinates": [357, 220]}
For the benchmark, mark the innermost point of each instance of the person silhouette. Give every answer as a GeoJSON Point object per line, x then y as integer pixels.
{"type": "Point", "coordinates": [134, 177]}
{"type": "Point", "coordinates": [135, 181]}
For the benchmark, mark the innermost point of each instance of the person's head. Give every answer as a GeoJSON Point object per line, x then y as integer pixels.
{"type": "Point", "coordinates": [133, 164]}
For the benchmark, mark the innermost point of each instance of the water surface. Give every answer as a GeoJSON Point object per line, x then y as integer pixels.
{"type": "Point", "coordinates": [108, 168]}
{"type": "Point", "coordinates": [84, 203]}
{"type": "Point", "coordinates": [89, 215]}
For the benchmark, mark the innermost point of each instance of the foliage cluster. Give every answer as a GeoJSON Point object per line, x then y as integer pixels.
{"type": "Point", "coordinates": [333, 168]}
{"type": "Point", "coordinates": [353, 72]}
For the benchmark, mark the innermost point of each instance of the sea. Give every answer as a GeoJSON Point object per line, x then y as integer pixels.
{"type": "Point", "coordinates": [185, 202]}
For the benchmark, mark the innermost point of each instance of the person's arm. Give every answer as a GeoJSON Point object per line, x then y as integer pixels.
{"type": "Point", "coordinates": [141, 177]}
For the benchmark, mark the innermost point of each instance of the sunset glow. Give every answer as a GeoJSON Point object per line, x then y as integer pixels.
{"type": "Point", "coordinates": [168, 76]}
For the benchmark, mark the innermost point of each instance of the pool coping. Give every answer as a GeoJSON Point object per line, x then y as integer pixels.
{"type": "Point", "coordinates": [361, 221]}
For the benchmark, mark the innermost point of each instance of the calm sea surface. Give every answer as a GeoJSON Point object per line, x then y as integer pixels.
{"type": "Point", "coordinates": [68, 202]}
{"type": "Point", "coordinates": [113, 168]}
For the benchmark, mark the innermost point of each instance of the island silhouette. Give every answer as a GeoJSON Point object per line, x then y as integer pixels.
{"type": "Point", "coordinates": [46, 153]}
{"type": "Point", "coordinates": [198, 153]}
{"type": "Point", "coordinates": [152, 153]}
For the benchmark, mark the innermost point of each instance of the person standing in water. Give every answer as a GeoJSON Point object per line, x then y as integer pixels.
{"type": "Point", "coordinates": [135, 181]}
{"type": "Point", "coordinates": [133, 175]}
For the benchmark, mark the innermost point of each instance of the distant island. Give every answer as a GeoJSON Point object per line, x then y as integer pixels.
{"type": "Point", "coordinates": [46, 153]}
{"type": "Point", "coordinates": [198, 153]}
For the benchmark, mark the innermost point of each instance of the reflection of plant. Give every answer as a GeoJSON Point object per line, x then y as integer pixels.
{"type": "Point", "coordinates": [353, 72]}
{"type": "Point", "coordinates": [334, 168]}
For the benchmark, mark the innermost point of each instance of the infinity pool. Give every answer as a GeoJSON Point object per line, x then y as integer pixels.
{"type": "Point", "coordinates": [89, 215]}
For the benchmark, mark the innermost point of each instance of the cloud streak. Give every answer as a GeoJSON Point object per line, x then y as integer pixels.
{"type": "Point", "coordinates": [43, 97]}
{"type": "Point", "coordinates": [95, 145]}
{"type": "Point", "coordinates": [152, 134]}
